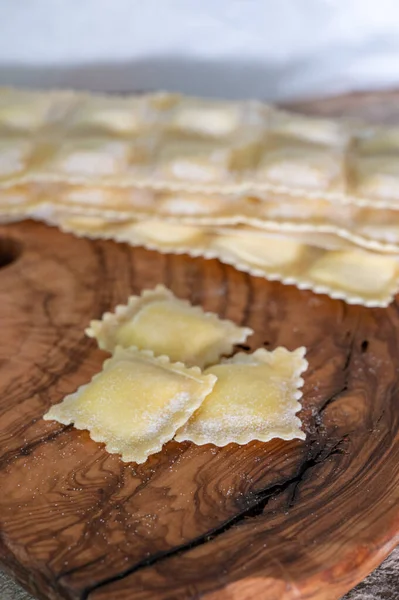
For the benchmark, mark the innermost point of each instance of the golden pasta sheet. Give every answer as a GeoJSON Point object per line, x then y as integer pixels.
{"type": "Point", "coordinates": [321, 263]}
{"type": "Point", "coordinates": [256, 397]}
{"type": "Point", "coordinates": [16, 203]}
{"type": "Point", "coordinates": [32, 113]}
{"type": "Point", "coordinates": [158, 321]}
{"type": "Point", "coordinates": [172, 142]}
{"type": "Point", "coordinates": [136, 403]}
{"type": "Point", "coordinates": [373, 229]}
{"type": "Point", "coordinates": [374, 164]}
{"type": "Point", "coordinates": [370, 228]}
{"type": "Point", "coordinates": [145, 203]}
{"type": "Point", "coordinates": [347, 273]}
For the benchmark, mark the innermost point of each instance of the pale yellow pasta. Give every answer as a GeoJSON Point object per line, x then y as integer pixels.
{"type": "Point", "coordinates": [92, 224]}
{"type": "Point", "coordinates": [378, 176]}
{"type": "Point", "coordinates": [217, 118]}
{"type": "Point", "coordinates": [256, 397]}
{"type": "Point", "coordinates": [168, 233]}
{"type": "Point", "coordinates": [305, 165]}
{"type": "Point", "coordinates": [167, 172]}
{"type": "Point", "coordinates": [372, 229]}
{"type": "Point", "coordinates": [387, 233]}
{"type": "Point", "coordinates": [177, 143]}
{"type": "Point", "coordinates": [109, 114]}
{"type": "Point", "coordinates": [104, 198]}
{"type": "Point", "coordinates": [23, 111]}
{"type": "Point", "coordinates": [91, 157]}
{"type": "Point", "coordinates": [14, 155]}
{"type": "Point", "coordinates": [351, 274]}
{"type": "Point", "coordinates": [204, 161]}
{"type": "Point", "coordinates": [136, 404]}
{"type": "Point", "coordinates": [160, 322]}
{"type": "Point", "coordinates": [15, 197]}
{"type": "Point", "coordinates": [17, 203]}
{"type": "Point", "coordinates": [195, 206]}
{"type": "Point", "coordinates": [359, 272]}
{"type": "Point", "coordinates": [214, 118]}
{"type": "Point", "coordinates": [310, 261]}
{"type": "Point", "coordinates": [262, 250]}
{"type": "Point", "coordinates": [310, 129]}
{"type": "Point", "coordinates": [162, 214]}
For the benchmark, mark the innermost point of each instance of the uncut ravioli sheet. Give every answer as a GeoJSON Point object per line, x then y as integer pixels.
{"type": "Point", "coordinates": [256, 397]}
{"type": "Point", "coordinates": [321, 263]}
{"type": "Point", "coordinates": [371, 228]}
{"type": "Point", "coordinates": [159, 321]}
{"type": "Point", "coordinates": [136, 403]}
{"type": "Point", "coordinates": [167, 141]}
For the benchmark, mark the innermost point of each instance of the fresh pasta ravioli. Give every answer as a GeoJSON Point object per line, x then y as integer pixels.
{"type": "Point", "coordinates": [136, 403]}
{"type": "Point", "coordinates": [323, 263]}
{"type": "Point", "coordinates": [256, 397]}
{"type": "Point", "coordinates": [160, 322]}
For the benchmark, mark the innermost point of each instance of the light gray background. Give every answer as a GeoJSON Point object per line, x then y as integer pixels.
{"type": "Point", "coordinates": [273, 49]}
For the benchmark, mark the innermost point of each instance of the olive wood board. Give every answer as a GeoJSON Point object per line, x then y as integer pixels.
{"type": "Point", "coordinates": [266, 521]}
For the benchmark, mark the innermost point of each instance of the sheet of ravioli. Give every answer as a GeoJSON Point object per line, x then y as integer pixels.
{"type": "Point", "coordinates": [160, 322]}
{"type": "Point", "coordinates": [323, 263]}
{"type": "Point", "coordinates": [136, 404]}
{"type": "Point", "coordinates": [171, 142]}
{"type": "Point", "coordinates": [354, 275]}
{"type": "Point", "coordinates": [372, 228]}
{"type": "Point", "coordinates": [256, 397]}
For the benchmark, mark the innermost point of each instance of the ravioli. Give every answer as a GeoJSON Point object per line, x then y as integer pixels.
{"type": "Point", "coordinates": [256, 397]}
{"type": "Point", "coordinates": [136, 403]}
{"type": "Point", "coordinates": [160, 322]}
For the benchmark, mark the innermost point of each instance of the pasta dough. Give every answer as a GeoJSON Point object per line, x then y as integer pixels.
{"type": "Point", "coordinates": [136, 404]}
{"type": "Point", "coordinates": [370, 228]}
{"type": "Point", "coordinates": [256, 397]}
{"type": "Point", "coordinates": [170, 142]}
{"type": "Point", "coordinates": [168, 172]}
{"type": "Point", "coordinates": [310, 261]}
{"type": "Point", "coordinates": [160, 322]}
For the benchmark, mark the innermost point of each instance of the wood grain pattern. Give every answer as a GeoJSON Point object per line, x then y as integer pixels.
{"type": "Point", "coordinates": [276, 521]}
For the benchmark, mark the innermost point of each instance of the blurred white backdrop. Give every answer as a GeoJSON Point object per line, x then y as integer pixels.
{"type": "Point", "coordinates": [273, 49]}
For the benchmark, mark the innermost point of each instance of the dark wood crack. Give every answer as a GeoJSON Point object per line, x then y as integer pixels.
{"type": "Point", "coordinates": [256, 505]}
{"type": "Point", "coordinates": [256, 508]}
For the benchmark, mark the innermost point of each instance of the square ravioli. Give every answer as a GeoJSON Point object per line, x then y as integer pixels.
{"type": "Point", "coordinates": [166, 234]}
{"type": "Point", "coordinates": [16, 197]}
{"type": "Point", "coordinates": [328, 132]}
{"type": "Point", "coordinates": [24, 111]}
{"type": "Point", "coordinates": [91, 157]}
{"type": "Point", "coordinates": [160, 322]}
{"type": "Point", "coordinates": [136, 403]}
{"type": "Point", "coordinates": [256, 397]}
{"type": "Point", "coordinates": [377, 176]}
{"type": "Point", "coordinates": [209, 118]}
{"type": "Point", "coordinates": [201, 161]}
{"type": "Point", "coordinates": [260, 250]}
{"type": "Point", "coordinates": [183, 204]}
{"type": "Point", "coordinates": [217, 118]}
{"type": "Point", "coordinates": [372, 276]}
{"type": "Point", "coordinates": [111, 114]}
{"type": "Point", "coordinates": [14, 156]}
{"type": "Point", "coordinates": [300, 164]}
{"type": "Point", "coordinates": [104, 201]}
